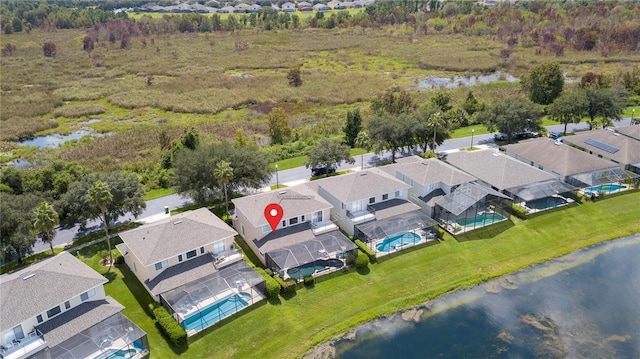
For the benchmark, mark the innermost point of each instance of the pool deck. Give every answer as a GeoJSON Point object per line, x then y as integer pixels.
{"type": "Point", "coordinates": [424, 238]}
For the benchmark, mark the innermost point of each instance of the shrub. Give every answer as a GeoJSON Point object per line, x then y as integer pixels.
{"type": "Point", "coordinates": [288, 286]}
{"type": "Point", "coordinates": [362, 261]}
{"type": "Point", "coordinates": [309, 280]}
{"type": "Point", "coordinates": [273, 288]}
{"type": "Point", "coordinates": [269, 272]}
{"type": "Point", "coordinates": [518, 211]}
{"type": "Point", "coordinates": [119, 259]}
{"type": "Point", "coordinates": [366, 250]}
{"type": "Point", "coordinates": [49, 49]}
{"type": "Point", "coordinates": [175, 333]}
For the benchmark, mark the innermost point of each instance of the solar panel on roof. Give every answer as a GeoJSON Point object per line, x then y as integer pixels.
{"type": "Point", "coordinates": [600, 145]}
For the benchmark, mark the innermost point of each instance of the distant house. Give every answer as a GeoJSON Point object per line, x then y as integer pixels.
{"type": "Point", "coordinates": [254, 8]}
{"type": "Point", "coordinates": [321, 7]}
{"type": "Point", "coordinates": [305, 6]}
{"type": "Point", "coordinates": [372, 205]}
{"type": "Point", "coordinates": [226, 10]}
{"type": "Point", "coordinates": [189, 263]}
{"type": "Point", "coordinates": [241, 8]}
{"type": "Point", "coordinates": [57, 309]}
{"type": "Point", "coordinates": [288, 7]}
{"type": "Point", "coordinates": [611, 145]}
{"type": "Point", "coordinates": [305, 241]}
{"type": "Point", "coordinates": [430, 179]}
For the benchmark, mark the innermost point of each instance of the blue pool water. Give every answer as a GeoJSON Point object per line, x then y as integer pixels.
{"type": "Point", "coordinates": [545, 203]}
{"type": "Point", "coordinates": [310, 268]}
{"type": "Point", "coordinates": [390, 244]}
{"type": "Point", "coordinates": [608, 188]}
{"type": "Point", "coordinates": [117, 354]}
{"type": "Point", "coordinates": [216, 312]}
{"type": "Point", "coordinates": [480, 220]}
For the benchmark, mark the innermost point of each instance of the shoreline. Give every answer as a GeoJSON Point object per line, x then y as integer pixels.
{"type": "Point", "coordinates": [422, 311]}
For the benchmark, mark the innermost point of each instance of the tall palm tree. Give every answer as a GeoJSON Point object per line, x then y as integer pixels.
{"type": "Point", "coordinates": [437, 122]}
{"type": "Point", "coordinates": [101, 197]}
{"type": "Point", "coordinates": [45, 221]}
{"type": "Point", "coordinates": [224, 174]}
{"type": "Point", "coordinates": [363, 141]}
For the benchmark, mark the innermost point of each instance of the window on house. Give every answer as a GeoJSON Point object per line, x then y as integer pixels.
{"type": "Point", "coordinates": [242, 229]}
{"type": "Point", "coordinates": [284, 223]}
{"type": "Point", "coordinates": [179, 257]}
{"type": "Point", "coordinates": [266, 228]}
{"type": "Point", "coordinates": [39, 318]}
{"type": "Point", "coordinates": [302, 218]}
{"type": "Point", "coordinates": [201, 250]}
{"type": "Point", "coordinates": [134, 267]}
{"type": "Point", "coordinates": [385, 197]}
{"type": "Point", "coordinates": [219, 247]}
{"type": "Point", "coordinates": [372, 200]}
{"type": "Point", "coordinates": [163, 264]}
{"type": "Point", "coordinates": [398, 194]}
{"type": "Point", "coordinates": [88, 294]}
{"type": "Point", "coordinates": [67, 305]}
{"type": "Point", "coordinates": [191, 254]}
{"type": "Point", "coordinates": [293, 221]}
{"type": "Point", "coordinates": [53, 311]}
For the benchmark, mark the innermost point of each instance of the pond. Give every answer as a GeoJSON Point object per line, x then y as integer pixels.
{"type": "Point", "coordinates": [437, 82]}
{"type": "Point", "coordinates": [54, 140]}
{"type": "Point", "coordinates": [584, 305]}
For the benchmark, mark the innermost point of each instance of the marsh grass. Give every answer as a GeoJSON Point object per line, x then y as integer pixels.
{"type": "Point", "coordinates": [79, 111]}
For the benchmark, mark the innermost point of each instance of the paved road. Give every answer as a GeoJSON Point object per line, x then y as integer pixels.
{"type": "Point", "coordinates": [156, 206]}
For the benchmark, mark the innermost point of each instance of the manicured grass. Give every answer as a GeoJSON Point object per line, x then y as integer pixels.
{"type": "Point", "coordinates": [280, 185]}
{"type": "Point", "coordinates": [157, 193]}
{"type": "Point", "coordinates": [287, 328]}
{"type": "Point", "coordinates": [301, 160]}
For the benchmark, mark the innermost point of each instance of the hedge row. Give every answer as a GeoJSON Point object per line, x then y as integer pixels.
{"type": "Point", "coordinates": [170, 327]}
{"type": "Point", "coordinates": [518, 211]}
{"type": "Point", "coordinates": [273, 288]}
{"type": "Point", "coordinates": [288, 286]}
{"type": "Point", "coordinates": [366, 250]}
{"type": "Point", "coordinates": [362, 261]}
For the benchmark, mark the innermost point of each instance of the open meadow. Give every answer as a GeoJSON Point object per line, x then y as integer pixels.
{"type": "Point", "coordinates": [218, 83]}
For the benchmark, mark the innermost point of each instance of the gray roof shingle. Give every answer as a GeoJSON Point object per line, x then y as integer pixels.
{"type": "Point", "coordinates": [78, 319]}
{"type": "Point", "coordinates": [496, 169]}
{"type": "Point", "coordinates": [360, 185]}
{"type": "Point", "coordinates": [562, 159]}
{"type": "Point", "coordinates": [166, 238]}
{"type": "Point", "coordinates": [630, 131]}
{"type": "Point", "coordinates": [628, 148]}
{"type": "Point", "coordinates": [180, 274]}
{"type": "Point", "coordinates": [41, 286]}
{"type": "Point", "coordinates": [295, 201]}
{"type": "Point", "coordinates": [426, 171]}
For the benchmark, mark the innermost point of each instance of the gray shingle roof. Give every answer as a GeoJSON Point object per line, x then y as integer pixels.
{"type": "Point", "coordinates": [496, 169]}
{"type": "Point", "coordinates": [180, 274]}
{"type": "Point", "coordinates": [426, 171]}
{"type": "Point", "coordinates": [285, 237]}
{"type": "Point", "coordinates": [629, 149]}
{"type": "Point", "coordinates": [190, 230]}
{"type": "Point", "coordinates": [392, 207]}
{"type": "Point", "coordinates": [78, 319]}
{"type": "Point", "coordinates": [295, 201]}
{"type": "Point", "coordinates": [48, 283]}
{"type": "Point", "coordinates": [360, 185]}
{"type": "Point", "coordinates": [560, 158]}
{"type": "Point", "coordinates": [630, 131]}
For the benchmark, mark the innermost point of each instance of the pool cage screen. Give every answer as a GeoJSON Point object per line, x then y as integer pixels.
{"type": "Point", "coordinates": [540, 190]}
{"type": "Point", "coordinates": [468, 204]}
{"type": "Point", "coordinates": [101, 341]}
{"type": "Point", "coordinates": [324, 246]}
{"type": "Point", "coordinates": [597, 178]}
{"type": "Point", "coordinates": [413, 221]}
{"type": "Point", "coordinates": [197, 295]}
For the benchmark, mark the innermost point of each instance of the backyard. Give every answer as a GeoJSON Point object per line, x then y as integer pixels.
{"type": "Point", "coordinates": [289, 327]}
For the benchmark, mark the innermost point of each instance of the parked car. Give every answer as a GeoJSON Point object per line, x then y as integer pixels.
{"type": "Point", "coordinates": [500, 136]}
{"type": "Point", "coordinates": [321, 170]}
{"type": "Point", "coordinates": [555, 135]}
{"type": "Point", "coordinates": [528, 134]}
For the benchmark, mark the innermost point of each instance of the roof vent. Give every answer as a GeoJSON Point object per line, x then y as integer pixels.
{"type": "Point", "coordinates": [177, 222]}
{"type": "Point", "coordinates": [28, 275]}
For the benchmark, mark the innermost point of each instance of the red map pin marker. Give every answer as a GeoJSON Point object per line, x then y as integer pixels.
{"type": "Point", "coordinates": [273, 213]}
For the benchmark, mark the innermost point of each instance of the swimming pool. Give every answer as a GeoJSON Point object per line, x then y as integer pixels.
{"type": "Point", "coordinates": [113, 353]}
{"type": "Point", "coordinates": [392, 243]}
{"type": "Point", "coordinates": [482, 219]}
{"type": "Point", "coordinates": [546, 203]}
{"type": "Point", "coordinates": [216, 312]}
{"type": "Point", "coordinates": [310, 268]}
{"type": "Point", "coordinates": [608, 188]}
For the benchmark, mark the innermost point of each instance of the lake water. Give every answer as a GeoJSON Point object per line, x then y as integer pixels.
{"type": "Point", "coordinates": [437, 82]}
{"type": "Point", "coordinates": [54, 140]}
{"type": "Point", "coordinates": [584, 305]}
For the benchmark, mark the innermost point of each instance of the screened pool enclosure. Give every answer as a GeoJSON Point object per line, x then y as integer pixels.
{"type": "Point", "coordinates": [397, 232]}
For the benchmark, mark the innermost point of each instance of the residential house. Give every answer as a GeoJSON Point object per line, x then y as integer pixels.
{"type": "Point", "coordinates": [186, 262]}
{"type": "Point", "coordinates": [253, 8]}
{"type": "Point", "coordinates": [321, 7]}
{"type": "Point", "coordinates": [241, 8]}
{"type": "Point", "coordinates": [632, 131]}
{"type": "Point", "coordinates": [611, 145]}
{"type": "Point", "coordinates": [288, 7]}
{"type": "Point", "coordinates": [372, 205]}
{"type": "Point", "coordinates": [226, 10]}
{"type": "Point", "coordinates": [304, 242]}
{"type": "Point", "coordinates": [305, 5]}
{"type": "Point", "coordinates": [430, 179]}
{"type": "Point", "coordinates": [336, 5]}
{"type": "Point", "coordinates": [57, 308]}
{"type": "Point", "coordinates": [569, 164]}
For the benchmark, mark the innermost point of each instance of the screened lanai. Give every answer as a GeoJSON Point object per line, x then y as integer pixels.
{"type": "Point", "coordinates": [310, 254]}
{"type": "Point", "coordinates": [472, 206]}
{"type": "Point", "coordinates": [542, 195]}
{"type": "Point", "coordinates": [114, 337]}
{"type": "Point", "coordinates": [415, 222]}
{"type": "Point", "coordinates": [203, 302]}
{"type": "Point", "coordinates": [599, 178]}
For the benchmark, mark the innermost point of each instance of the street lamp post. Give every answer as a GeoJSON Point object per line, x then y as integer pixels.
{"type": "Point", "coordinates": [633, 113]}
{"type": "Point", "coordinates": [277, 182]}
{"type": "Point", "coordinates": [471, 148]}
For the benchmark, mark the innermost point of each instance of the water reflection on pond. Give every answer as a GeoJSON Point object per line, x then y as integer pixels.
{"type": "Point", "coordinates": [584, 305]}
{"type": "Point", "coordinates": [56, 139]}
{"type": "Point", "coordinates": [437, 82]}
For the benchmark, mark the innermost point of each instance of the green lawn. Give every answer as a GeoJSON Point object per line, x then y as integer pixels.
{"type": "Point", "coordinates": [289, 327]}
{"type": "Point", "coordinates": [157, 193]}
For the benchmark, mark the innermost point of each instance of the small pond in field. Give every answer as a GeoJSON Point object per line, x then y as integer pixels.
{"type": "Point", "coordinates": [56, 139]}
{"type": "Point", "coordinates": [437, 82]}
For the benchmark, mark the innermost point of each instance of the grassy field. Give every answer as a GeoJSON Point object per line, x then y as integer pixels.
{"type": "Point", "coordinates": [289, 327]}
{"type": "Point", "coordinates": [171, 82]}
